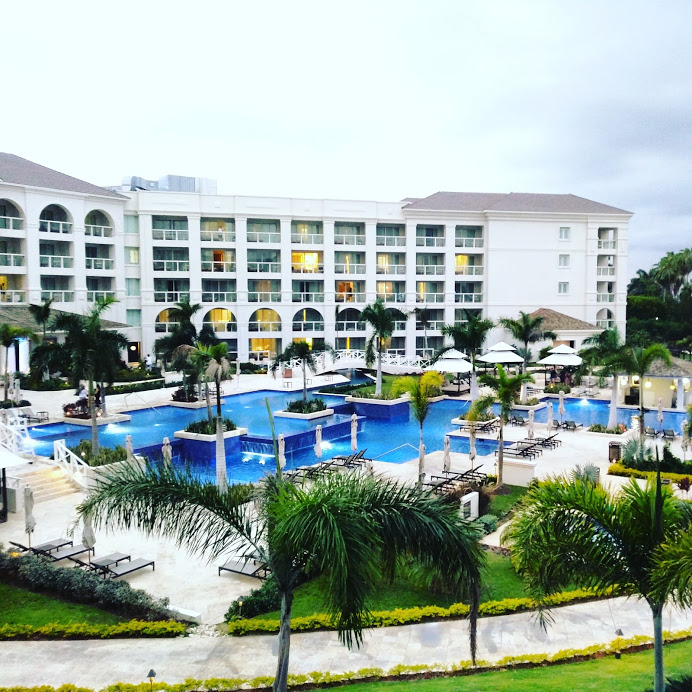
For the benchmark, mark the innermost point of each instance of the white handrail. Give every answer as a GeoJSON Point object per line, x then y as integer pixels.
{"type": "Point", "coordinates": [69, 462]}
{"type": "Point", "coordinates": [11, 437]}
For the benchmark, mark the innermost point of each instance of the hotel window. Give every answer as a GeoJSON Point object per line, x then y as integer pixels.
{"type": "Point", "coordinates": [132, 287]}
{"type": "Point", "coordinates": [132, 224]}
{"type": "Point", "coordinates": [564, 233]}
{"type": "Point", "coordinates": [563, 288]}
{"type": "Point", "coordinates": [131, 255]}
{"type": "Point", "coordinates": [563, 261]}
{"type": "Point", "coordinates": [134, 318]}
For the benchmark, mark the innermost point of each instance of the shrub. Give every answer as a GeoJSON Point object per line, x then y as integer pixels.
{"type": "Point", "coordinates": [127, 375]}
{"type": "Point", "coordinates": [33, 573]}
{"type": "Point", "coordinates": [488, 523]}
{"type": "Point", "coordinates": [252, 369]}
{"type": "Point", "coordinates": [619, 429]}
{"type": "Point", "coordinates": [204, 427]}
{"type": "Point", "coordinates": [139, 387]}
{"type": "Point", "coordinates": [133, 628]}
{"type": "Point", "coordinates": [11, 404]}
{"type": "Point", "coordinates": [620, 470]}
{"type": "Point", "coordinates": [262, 600]}
{"type": "Point", "coordinates": [344, 388]}
{"type": "Point", "coordinates": [54, 384]}
{"type": "Point", "coordinates": [103, 458]}
{"type": "Point", "coordinates": [309, 406]}
{"type": "Point", "coordinates": [187, 394]}
{"type": "Point", "coordinates": [557, 388]}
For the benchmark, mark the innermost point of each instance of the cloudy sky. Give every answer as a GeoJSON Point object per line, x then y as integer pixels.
{"type": "Point", "coordinates": [374, 100]}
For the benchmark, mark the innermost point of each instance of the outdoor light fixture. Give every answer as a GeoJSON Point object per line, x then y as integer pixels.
{"type": "Point", "coordinates": [240, 608]}
{"type": "Point", "coordinates": [647, 384]}
{"type": "Point", "coordinates": [618, 632]}
{"type": "Point", "coordinates": [151, 675]}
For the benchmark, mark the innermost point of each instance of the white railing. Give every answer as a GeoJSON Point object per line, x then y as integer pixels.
{"type": "Point", "coordinates": [263, 237]}
{"type": "Point", "coordinates": [469, 270]}
{"type": "Point", "coordinates": [605, 297]}
{"type": "Point", "coordinates": [170, 296]}
{"type": "Point", "coordinates": [308, 297]}
{"type": "Point", "coordinates": [430, 269]}
{"type": "Point", "coordinates": [98, 231]}
{"type": "Point", "coordinates": [12, 296]}
{"type": "Point", "coordinates": [391, 268]}
{"type": "Point", "coordinates": [93, 296]}
{"type": "Point", "coordinates": [10, 259]}
{"type": "Point", "coordinates": [11, 223]}
{"type": "Point", "coordinates": [605, 271]}
{"type": "Point", "coordinates": [171, 265]}
{"type": "Point", "coordinates": [468, 242]}
{"type": "Point", "coordinates": [432, 325]}
{"type": "Point", "coordinates": [255, 326]}
{"type": "Point", "coordinates": [399, 325]}
{"type": "Point", "coordinates": [169, 234]}
{"type": "Point", "coordinates": [217, 236]}
{"type": "Point", "coordinates": [350, 326]}
{"type": "Point", "coordinates": [99, 263]}
{"type": "Point", "coordinates": [605, 324]}
{"type": "Point", "coordinates": [264, 267]}
{"type": "Point", "coordinates": [222, 326]}
{"type": "Point", "coordinates": [424, 241]}
{"type": "Point", "coordinates": [468, 298]}
{"type": "Point", "coordinates": [13, 434]}
{"type": "Point", "coordinates": [308, 326]}
{"type": "Point", "coordinates": [391, 240]}
{"type": "Point", "coordinates": [58, 296]}
{"type": "Point", "coordinates": [56, 261]}
{"type": "Point", "coordinates": [307, 268]}
{"type": "Point", "coordinates": [356, 358]}
{"type": "Point", "coordinates": [348, 239]}
{"type": "Point", "coordinates": [219, 296]}
{"type": "Point", "coordinates": [430, 298]}
{"type": "Point", "coordinates": [161, 327]}
{"type": "Point", "coordinates": [607, 244]}
{"type": "Point", "coordinates": [264, 297]}
{"type": "Point", "coordinates": [342, 268]}
{"type": "Point", "coordinates": [307, 238]}
{"type": "Point", "coordinates": [392, 297]}
{"type": "Point", "coordinates": [69, 462]}
{"type": "Point", "coordinates": [349, 297]}
{"type": "Point", "coordinates": [55, 226]}
{"type": "Point", "coordinates": [215, 266]}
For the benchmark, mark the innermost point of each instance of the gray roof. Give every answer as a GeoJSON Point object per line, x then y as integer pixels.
{"type": "Point", "coordinates": [18, 171]}
{"type": "Point", "coordinates": [20, 316]}
{"type": "Point", "coordinates": [514, 201]}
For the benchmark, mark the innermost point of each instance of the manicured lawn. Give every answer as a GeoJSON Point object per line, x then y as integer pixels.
{"type": "Point", "coordinates": [501, 504]}
{"type": "Point", "coordinates": [20, 607]}
{"type": "Point", "coordinates": [632, 673]}
{"type": "Point", "coordinates": [387, 381]}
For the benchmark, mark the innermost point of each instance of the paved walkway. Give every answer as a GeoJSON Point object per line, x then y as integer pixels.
{"type": "Point", "coordinates": [99, 663]}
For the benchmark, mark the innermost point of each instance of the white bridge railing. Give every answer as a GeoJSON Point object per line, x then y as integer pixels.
{"type": "Point", "coordinates": [70, 463]}
{"type": "Point", "coordinates": [14, 436]}
{"type": "Point", "coordinates": [355, 358]}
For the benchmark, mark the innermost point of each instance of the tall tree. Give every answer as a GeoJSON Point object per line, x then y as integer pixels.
{"type": "Point", "coordinates": [349, 527]}
{"type": "Point", "coordinates": [301, 351]}
{"type": "Point", "coordinates": [528, 330]}
{"type": "Point", "coordinates": [469, 337]}
{"type": "Point", "coordinates": [218, 370]}
{"type": "Point", "coordinates": [184, 332]}
{"type": "Point", "coordinates": [572, 532]}
{"type": "Point", "coordinates": [421, 390]}
{"type": "Point", "coordinates": [423, 317]}
{"type": "Point", "coordinates": [42, 314]}
{"type": "Point", "coordinates": [506, 389]}
{"type": "Point", "coordinates": [9, 337]}
{"type": "Point", "coordinates": [381, 321]}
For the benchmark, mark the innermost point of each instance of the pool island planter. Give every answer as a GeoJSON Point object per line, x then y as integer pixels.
{"type": "Point", "coordinates": [526, 407]}
{"type": "Point", "coordinates": [304, 416]}
{"type": "Point", "coordinates": [380, 408]}
{"type": "Point", "coordinates": [200, 437]}
{"type": "Point", "coordinates": [100, 420]}
{"type": "Point", "coordinates": [199, 446]}
{"type": "Point", "coordinates": [201, 403]}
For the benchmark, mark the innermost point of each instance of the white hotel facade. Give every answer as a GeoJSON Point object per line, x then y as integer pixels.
{"type": "Point", "coordinates": [271, 270]}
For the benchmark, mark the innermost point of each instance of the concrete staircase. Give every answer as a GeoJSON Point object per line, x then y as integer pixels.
{"type": "Point", "coordinates": [47, 482]}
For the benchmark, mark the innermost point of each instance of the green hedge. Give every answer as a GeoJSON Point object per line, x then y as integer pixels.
{"type": "Point", "coordinates": [133, 628]}
{"type": "Point", "coordinates": [406, 616]}
{"type": "Point", "coordinates": [140, 387]}
{"type": "Point", "coordinates": [204, 427]}
{"type": "Point", "coordinates": [620, 470]}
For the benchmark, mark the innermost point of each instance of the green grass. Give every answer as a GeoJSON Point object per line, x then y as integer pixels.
{"type": "Point", "coordinates": [501, 504]}
{"type": "Point", "coordinates": [632, 673]}
{"type": "Point", "coordinates": [387, 382]}
{"type": "Point", "coordinates": [21, 607]}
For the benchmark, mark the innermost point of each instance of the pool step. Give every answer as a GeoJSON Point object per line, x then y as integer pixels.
{"type": "Point", "coordinates": [47, 482]}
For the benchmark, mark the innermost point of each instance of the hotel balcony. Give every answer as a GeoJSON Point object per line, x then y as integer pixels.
{"type": "Point", "coordinates": [219, 297]}
{"type": "Point", "coordinates": [172, 266]}
{"type": "Point", "coordinates": [264, 296]}
{"type": "Point", "coordinates": [98, 231]}
{"type": "Point", "coordinates": [93, 296]}
{"type": "Point", "coordinates": [430, 269]}
{"type": "Point", "coordinates": [11, 223]}
{"type": "Point", "coordinates": [10, 296]}
{"type": "Point", "coordinates": [263, 326]}
{"type": "Point", "coordinates": [99, 263]}
{"type": "Point", "coordinates": [469, 270]}
{"type": "Point", "coordinates": [308, 297]}
{"type": "Point", "coordinates": [430, 297]}
{"type": "Point", "coordinates": [58, 296]}
{"type": "Point", "coordinates": [170, 234]}
{"type": "Point", "coordinates": [605, 271]}
{"type": "Point", "coordinates": [349, 268]}
{"type": "Point", "coordinates": [605, 297]}
{"type": "Point", "coordinates": [171, 296]}
{"type": "Point", "coordinates": [11, 259]}
{"type": "Point", "coordinates": [216, 266]}
{"type": "Point", "coordinates": [607, 244]}
{"type": "Point", "coordinates": [55, 226]}
{"type": "Point", "coordinates": [468, 298]}
{"type": "Point", "coordinates": [56, 261]}
{"type": "Point", "coordinates": [222, 327]}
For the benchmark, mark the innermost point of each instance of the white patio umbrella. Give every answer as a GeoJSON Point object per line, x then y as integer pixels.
{"type": "Point", "coordinates": [502, 346]}
{"type": "Point", "coordinates": [369, 467]}
{"type": "Point", "coordinates": [421, 464]}
{"type": "Point", "coordinates": [659, 414]}
{"type": "Point", "coordinates": [167, 452]}
{"type": "Point", "coordinates": [456, 365]}
{"type": "Point", "coordinates": [561, 359]}
{"type": "Point", "coordinates": [282, 451]}
{"type": "Point", "coordinates": [237, 371]}
{"type": "Point", "coordinates": [561, 406]}
{"type": "Point", "coordinates": [685, 443]}
{"type": "Point", "coordinates": [502, 357]}
{"type": "Point", "coordinates": [128, 447]}
{"type": "Point", "coordinates": [354, 432]}
{"type": "Point", "coordinates": [88, 536]}
{"type": "Point", "coordinates": [446, 459]}
{"type": "Point", "coordinates": [29, 520]}
{"type": "Point", "coordinates": [17, 391]}
{"type": "Point", "coordinates": [530, 431]}
{"type": "Point", "coordinates": [549, 420]}
{"type": "Point", "coordinates": [318, 441]}
{"type": "Point", "coordinates": [472, 444]}
{"type": "Point", "coordinates": [562, 348]}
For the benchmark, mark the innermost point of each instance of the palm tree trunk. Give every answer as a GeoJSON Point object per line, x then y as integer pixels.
{"type": "Point", "coordinates": [281, 678]}
{"type": "Point", "coordinates": [613, 411]}
{"type": "Point", "coordinates": [104, 412]}
{"type": "Point", "coordinates": [221, 478]}
{"type": "Point", "coordinates": [500, 450]}
{"type": "Point", "coordinates": [659, 683]}
{"type": "Point", "coordinates": [305, 384]}
{"type": "Point", "coordinates": [207, 394]}
{"type": "Point", "coordinates": [421, 459]}
{"type": "Point", "coordinates": [7, 367]}
{"type": "Point", "coordinates": [474, 604]}
{"type": "Point", "coordinates": [641, 417]}
{"type": "Point", "coordinates": [474, 381]}
{"type": "Point", "coordinates": [94, 421]}
{"type": "Point", "coordinates": [378, 381]}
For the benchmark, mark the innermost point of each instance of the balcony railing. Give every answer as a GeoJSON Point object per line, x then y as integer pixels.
{"type": "Point", "coordinates": [605, 271]}
{"type": "Point", "coordinates": [468, 242]}
{"type": "Point", "coordinates": [348, 239]}
{"type": "Point", "coordinates": [399, 325]}
{"type": "Point", "coordinates": [390, 269]}
{"type": "Point", "coordinates": [13, 296]}
{"type": "Point", "coordinates": [430, 269]}
{"type": "Point", "coordinates": [308, 297]}
{"type": "Point", "coordinates": [468, 298]}
{"type": "Point", "coordinates": [217, 236]}
{"type": "Point", "coordinates": [307, 238]}
{"type": "Point", "coordinates": [255, 326]}
{"type": "Point", "coordinates": [605, 324]}
{"type": "Point", "coordinates": [219, 297]}
{"type": "Point", "coordinates": [212, 266]}
{"type": "Point", "coordinates": [392, 297]}
{"type": "Point", "coordinates": [171, 265]}
{"type": "Point", "coordinates": [98, 231]}
{"type": "Point", "coordinates": [11, 223]}
{"type": "Point", "coordinates": [605, 297]}
{"type": "Point", "coordinates": [264, 296]}
{"type": "Point", "coordinates": [349, 297]}
{"type": "Point", "coordinates": [163, 327]}
{"type": "Point", "coordinates": [263, 237]}
{"type": "Point", "coordinates": [308, 326]}
{"type": "Point", "coordinates": [607, 244]}
{"type": "Point", "coordinates": [222, 326]}
{"type": "Point", "coordinates": [93, 296]}
{"type": "Point", "coordinates": [10, 259]}
{"type": "Point", "coordinates": [469, 270]}
{"type": "Point", "coordinates": [341, 268]}
{"type": "Point", "coordinates": [169, 234]}
{"type": "Point", "coordinates": [432, 326]}
{"type": "Point", "coordinates": [56, 261]}
{"type": "Point", "coordinates": [171, 296]}
{"type": "Point", "coordinates": [430, 298]}
{"type": "Point", "coordinates": [264, 267]}
{"type": "Point", "coordinates": [350, 326]}
{"type": "Point", "coordinates": [307, 268]}
{"type": "Point", "coordinates": [55, 226]}
{"type": "Point", "coordinates": [424, 241]}
{"type": "Point", "coordinates": [58, 296]}
{"type": "Point", "coordinates": [391, 240]}
{"type": "Point", "coordinates": [99, 263]}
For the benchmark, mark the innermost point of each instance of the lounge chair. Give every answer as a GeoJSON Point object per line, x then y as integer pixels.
{"type": "Point", "coordinates": [650, 432]}
{"type": "Point", "coordinates": [126, 567]}
{"type": "Point", "coordinates": [250, 567]}
{"type": "Point", "coordinates": [42, 548]}
{"type": "Point", "coordinates": [572, 425]}
{"type": "Point", "coordinates": [30, 417]}
{"type": "Point", "coordinates": [517, 420]}
{"type": "Point", "coordinates": [64, 553]}
{"type": "Point", "coordinates": [668, 434]}
{"type": "Point", "coordinates": [551, 441]}
{"type": "Point", "coordinates": [556, 424]}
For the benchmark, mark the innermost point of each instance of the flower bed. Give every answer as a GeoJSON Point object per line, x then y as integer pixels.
{"type": "Point", "coordinates": [124, 630]}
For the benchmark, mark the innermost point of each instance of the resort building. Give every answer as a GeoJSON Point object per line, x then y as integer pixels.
{"type": "Point", "coordinates": [271, 270]}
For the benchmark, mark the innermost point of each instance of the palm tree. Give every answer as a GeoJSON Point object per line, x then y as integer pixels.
{"type": "Point", "coordinates": [349, 527]}
{"type": "Point", "coordinates": [421, 390]}
{"type": "Point", "coordinates": [528, 330]}
{"type": "Point", "coordinates": [10, 336]}
{"type": "Point", "coordinates": [605, 349]}
{"type": "Point", "coordinates": [42, 314]}
{"type": "Point", "coordinates": [468, 337]}
{"type": "Point", "coordinates": [94, 352]}
{"type": "Point", "coordinates": [570, 532]}
{"type": "Point", "coordinates": [218, 370]}
{"type": "Point", "coordinates": [638, 361]}
{"type": "Point", "coordinates": [302, 351]}
{"type": "Point", "coordinates": [184, 332]}
{"type": "Point", "coordinates": [506, 391]}
{"type": "Point", "coordinates": [424, 318]}
{"type": "Point", "coordinates": [382, 322]}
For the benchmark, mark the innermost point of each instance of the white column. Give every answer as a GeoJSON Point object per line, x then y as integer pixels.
{"type": "Point", "coordinates": [680, 399]}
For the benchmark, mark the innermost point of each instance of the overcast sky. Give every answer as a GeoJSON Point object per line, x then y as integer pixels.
{"type": "Point", "coordinates": [372, 100]}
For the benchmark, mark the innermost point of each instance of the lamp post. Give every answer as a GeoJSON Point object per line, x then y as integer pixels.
{"type": "Point", "coordinates": [240, 609]}
{"type": "Point", "coordinates": [151, 675]}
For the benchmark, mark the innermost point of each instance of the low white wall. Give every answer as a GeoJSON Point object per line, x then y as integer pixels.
{"type": "Point", "coordinates": [518, 472]}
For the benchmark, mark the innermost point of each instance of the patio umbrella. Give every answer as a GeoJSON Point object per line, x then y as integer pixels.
{"type": "Point", "coordinates": [446, 460]}
{"type": "Point", "coordinates": [502, 357]}
{"type": "Point", "coordinates": [659, 415]}
{"type": "Point", "coordinates": [531, 421]}
{"type": "Point", "coordinates": [562, 348]}
{"type": "Point", "coordinates": [472, 444]}
{"type": "Point", "coordinates": [88, 536]}
{"type": "Point", "coordinates": [452, 361]}
{"type": "Point", "coordinates": [128, 447]}
{"type": "Point", "coordinates": [421, 463]}
{"type": "Point", "coordinates": [561, 359]}
{"type": "Point", "coordinates": [282, 451]}
{"type": "Point", "coordinates": [561, 406]}
{"type": "Point", "coordinates": [354, 432]}
{"type": "Point", "coordinates": [502, 346]}
{"type": "Point", "coordinates": [685, 443]}
{"type": "Point", "coordinates": [369, 467]}
{"type": "Point", "coordinates": [29, 520]}
{"type": "Point", "coordinates": [318, 441]}
{"type": "Point", "coordinates": [167, 451]}
{"type": "Point", "coordinates": [549, 420]}
{"type": "Point", "coordinates": [17, 391]}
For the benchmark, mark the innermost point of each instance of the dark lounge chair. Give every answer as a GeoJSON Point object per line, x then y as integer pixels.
{"type": "Point", "coordinates": [124, 568]}
{"type": "Point", "coordinates": [64, 553]}
{"type": "Point", "coordinates": [250, 567]}
{"type": "Point", "coordinates": [517, 420]}
{"type": "Point", "coordinates": [551, 441]}
{"type": "Point", "coordinates": [572, 425]}
{"type": "Point", "coordinates": [650, 432]}
{"type": "Point", "coordinates": [668, 434]}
